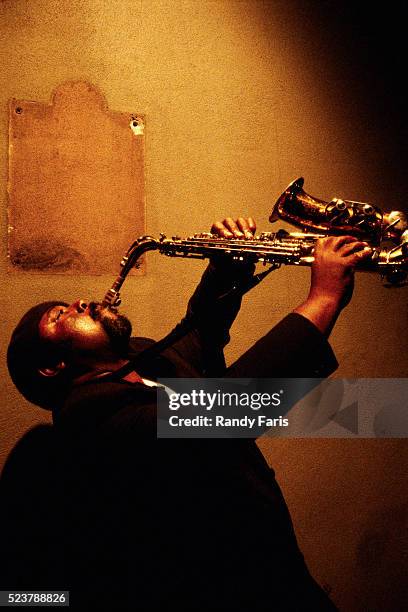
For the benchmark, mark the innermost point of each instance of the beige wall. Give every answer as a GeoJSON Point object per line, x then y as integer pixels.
{"type": "Point", "coordinates": [240, 98]}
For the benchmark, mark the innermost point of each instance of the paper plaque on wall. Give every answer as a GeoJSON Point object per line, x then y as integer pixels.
{"type": "Point", "coordinates": [76, 182]}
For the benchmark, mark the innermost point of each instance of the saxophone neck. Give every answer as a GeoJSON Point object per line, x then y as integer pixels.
{"type": "Point", "coordinates": [130, 260]}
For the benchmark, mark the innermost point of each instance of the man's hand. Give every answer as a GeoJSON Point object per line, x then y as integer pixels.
{"type": "Point", "coordinates": [332, 282]}
{"type": "Point", "coordinates": [333, 268]}
{"type": "Point", "coordinates": [240, 228]}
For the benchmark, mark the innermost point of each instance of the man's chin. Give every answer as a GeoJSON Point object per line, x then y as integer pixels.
{"type": "Point", "coordinates": [118, 329]}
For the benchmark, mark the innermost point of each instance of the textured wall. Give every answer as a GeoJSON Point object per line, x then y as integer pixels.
{"type": "Point", "coordinates": [240, 98]}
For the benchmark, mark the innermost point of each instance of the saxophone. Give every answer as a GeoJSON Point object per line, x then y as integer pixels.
{"type": "Point", "coordinates": [386, 233]}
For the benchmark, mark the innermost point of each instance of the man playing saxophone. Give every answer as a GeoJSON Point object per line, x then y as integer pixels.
{"type": "Point", "coordinates": [185, 524]}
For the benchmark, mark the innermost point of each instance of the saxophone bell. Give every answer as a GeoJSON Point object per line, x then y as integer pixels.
{"type": "Point", "coordinates": [360, 219]}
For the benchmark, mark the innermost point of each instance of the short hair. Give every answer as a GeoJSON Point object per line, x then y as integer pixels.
{"type": "Point", "coordinates": [28, 352]}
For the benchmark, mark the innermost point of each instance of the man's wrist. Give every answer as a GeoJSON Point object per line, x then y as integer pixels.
{"type": "Point", "coordinates": [323, 300]}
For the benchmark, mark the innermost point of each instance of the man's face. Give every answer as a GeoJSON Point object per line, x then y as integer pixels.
{"type": "Point", "coordinates": [86, 327]}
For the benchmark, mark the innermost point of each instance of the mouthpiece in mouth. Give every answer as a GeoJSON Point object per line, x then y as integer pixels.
{"type": "Point", "coordinates": [111, 308]}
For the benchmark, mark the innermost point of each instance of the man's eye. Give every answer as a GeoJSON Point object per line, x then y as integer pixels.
{"type": "Point", "coordinates": [60, 312]}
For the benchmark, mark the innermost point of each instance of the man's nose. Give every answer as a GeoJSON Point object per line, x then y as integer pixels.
{"type": "Point", "coordinates": [80, 305]}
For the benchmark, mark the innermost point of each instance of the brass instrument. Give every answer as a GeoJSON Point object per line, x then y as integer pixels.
{"type": "Point", "coordinates": [386, 233]}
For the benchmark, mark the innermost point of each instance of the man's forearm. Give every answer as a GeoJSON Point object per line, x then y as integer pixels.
{"type": "Point", "coordinates": [322, 312]}
{"type": "Point", "coordinates": [215, 303]}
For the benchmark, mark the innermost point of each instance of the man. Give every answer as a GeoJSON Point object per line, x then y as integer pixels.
{"type": "Point", "coordinates": [145, 524]}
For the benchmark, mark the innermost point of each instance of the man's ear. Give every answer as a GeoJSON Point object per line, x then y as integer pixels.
{"type": "Point", "coordinates": [54, 371]}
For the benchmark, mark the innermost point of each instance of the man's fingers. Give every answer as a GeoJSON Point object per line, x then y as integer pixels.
{"type": "Point", "coordinates": [247, 226]}
{"type": "Point", "coordinates": [241, 228]}
{"type": "Point", "coordinates": [252, 224]}
{"type": "Point", "coordinates": [334, 243]}
{"type": "Point", "coordinates": [353, 259]}
{"type": "Point", "coordinates": [219, 229]}
{"type": "Point", "coordinates": [233, 227]}
{"type": "Point", "coordinates": [342, 245]}
{"type": "Point", "coordinates": [340, 241]}
{"type": "Point", "coordinates": [353, 247]}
